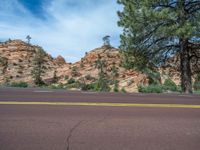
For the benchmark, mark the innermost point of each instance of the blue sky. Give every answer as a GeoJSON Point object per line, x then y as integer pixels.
{"type": "Point", "coordinates": [66, 27]}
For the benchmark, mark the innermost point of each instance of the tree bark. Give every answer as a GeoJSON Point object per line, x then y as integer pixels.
{"type": "Point", "coordinates": [186, 75]}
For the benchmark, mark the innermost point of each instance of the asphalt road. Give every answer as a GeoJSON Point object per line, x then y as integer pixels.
{"type": "Point", "coordinates": [53, 127]}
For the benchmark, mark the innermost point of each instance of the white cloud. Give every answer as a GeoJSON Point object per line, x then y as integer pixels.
{"type": "Point", "coordinates": [70, 29]}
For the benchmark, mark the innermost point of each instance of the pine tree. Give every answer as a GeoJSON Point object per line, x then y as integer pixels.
{"type": "Point", "coordinates": [38, 62]}
{"type": "Point", "coordinates": [154, 30]}
{"type": "Point", "coordinates": [102, 82]}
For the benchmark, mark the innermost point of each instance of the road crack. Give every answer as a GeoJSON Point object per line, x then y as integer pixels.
{"type": "Point", "coordinates": [71, 133]}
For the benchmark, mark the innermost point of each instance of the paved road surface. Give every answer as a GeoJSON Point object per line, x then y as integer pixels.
{"type": "Point", "coordinates": [45, 127]}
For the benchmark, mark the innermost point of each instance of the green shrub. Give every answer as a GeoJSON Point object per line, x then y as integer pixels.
{"type": "Point", "coordinates": [123, 90]}
{"type": "Point", "coordinates": [150, 89]}
{"type": "Point", "coordinates": [19, 84]}
{"type": "Point", "coordinates": [169, 85]}
{"type": "Point", "coordinates": [196, 84]}
{"type": "Point", "coordinates": [116, 86]}
{"type": "Point", "coordinates": [57, 86]}
{"type": "Point", "coordinates": [71, 81]}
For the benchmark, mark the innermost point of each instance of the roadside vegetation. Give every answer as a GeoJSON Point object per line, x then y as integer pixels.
{"type": "Point", "coordinates": [168, 87]}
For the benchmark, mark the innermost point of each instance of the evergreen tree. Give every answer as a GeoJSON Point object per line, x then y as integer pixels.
{"type": "Point", "coordinates": [102, 82]}
{"type": "Point", "coordinates": [38, 62]}
{"type": "Point", "coordinates": [154, 30]}
{"type": "Point", "coordinates": [106, 40]}
{"type": "Point", "coordinates": [28, 37]}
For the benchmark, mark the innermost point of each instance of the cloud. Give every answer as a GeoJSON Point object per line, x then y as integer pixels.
{"type": "Point", "coordinates": [68, 27]}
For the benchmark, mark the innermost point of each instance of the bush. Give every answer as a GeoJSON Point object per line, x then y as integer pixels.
{"type": "Point", "coordinates": [86, 87]}
{"type": "Point", "coordinates": [169, 85]}
{"type": "Point", "coordinates": [19, 84]}
{"type": "Point", "coordinates": [123, 90]}
{"type": "Point", "coordinates": [71, 81]}
{"type": "Point", "coordinates": [57, 86]}
{"type": "Point", "coordinates": [197, 83]}
{"type": "Point", "coordinates": [196, 86]}
{"type": "Point", "coordinates": [150, 89]}
{"type": "Point", "coordinates": [116, 86]}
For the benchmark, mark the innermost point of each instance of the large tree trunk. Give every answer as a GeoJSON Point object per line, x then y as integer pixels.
{"type": "Point", "coordinates": [186, 79]}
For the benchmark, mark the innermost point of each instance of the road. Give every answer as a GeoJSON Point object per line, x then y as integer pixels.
{"type": "Point", "coordinates": [83, 127]}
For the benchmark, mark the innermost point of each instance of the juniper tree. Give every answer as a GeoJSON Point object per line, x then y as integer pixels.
{"type": "Point", "coordinates": [155, 30]}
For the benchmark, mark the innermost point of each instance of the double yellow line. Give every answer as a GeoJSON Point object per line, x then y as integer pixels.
{"type": "Point", "coordinates": [101, 104]}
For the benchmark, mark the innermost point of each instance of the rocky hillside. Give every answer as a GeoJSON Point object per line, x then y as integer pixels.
{"type": "Point", "coordinates": [16, 64]}
{"type": "Point", "coordinates": [86, 69]}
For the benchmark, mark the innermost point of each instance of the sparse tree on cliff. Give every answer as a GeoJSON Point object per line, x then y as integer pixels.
{"type": "Point", "coordinates": [38, 62]}
{"type": "Point", "coordinates": [106, 40]}
{"type": "Point", "coordinates": [28, 37]}
{"type": "Point", "coordinates": [155, 30]}
{"type": "Point", "coordinates": [102, 82]}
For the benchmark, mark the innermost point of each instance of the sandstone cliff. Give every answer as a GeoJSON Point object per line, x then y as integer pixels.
{"type": "Point", "coordinates": [16, 64]}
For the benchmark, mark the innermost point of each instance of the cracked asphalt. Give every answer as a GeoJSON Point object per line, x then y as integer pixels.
{"type": "Point", "coordinates": [43, 127]}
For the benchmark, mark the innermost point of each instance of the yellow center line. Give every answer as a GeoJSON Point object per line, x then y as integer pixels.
{"type": "Point", "coordinates": [101, 104]}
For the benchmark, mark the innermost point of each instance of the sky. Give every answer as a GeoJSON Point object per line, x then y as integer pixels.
{"type": "Point", "coordinates": [62, 27]}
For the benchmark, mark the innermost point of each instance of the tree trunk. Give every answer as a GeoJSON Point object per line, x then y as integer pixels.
{"type": "Point", "coordinates": [186, 79]}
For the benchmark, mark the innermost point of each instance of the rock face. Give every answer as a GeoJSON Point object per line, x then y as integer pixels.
{"type": "Point", "coordinates": [16, 64]}
{"type": "Point", "coordinates": [86, 68]}
{"type": "Point", "coordinates": [60, 60]}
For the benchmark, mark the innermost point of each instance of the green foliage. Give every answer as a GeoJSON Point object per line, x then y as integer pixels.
{"type": "Point", "coordinates": [74, 72]}
{"type": "Point", "coordinates": [197, 83]}
{"type": "Point", "coordinates": [106, 40]}
{"type": "Point", "coordinates": [102, 83]}
{"type": "Point", "coordinates": [154, 30]}
{"type": "Point", "coordinates": [57, 86]}
{"type": "Point", "coordinates": [38, 62]}
{"type": "Point", "coordinates": [123, 90]}
{"type": "Point", "coordinates": [153, 75]}
{"type": "Point", "coordinates": [4, 63]}
{"type": "Point", "coordinates": [71, 81]}
{"type": "Point", "coordinates": [197, 92]}
{"type": "Point", "coordinates": [150, 89]}
{"type": "Point", "coordinates": [19, 84]}
{"type": "Point", "coordinates": [116, 86]}
{"type": "Point", "coordinates": [169, 85]}
{"type": "Point", "coordinates": [84, 86]}
{"type": "Point", "coordinates": [114, 72]}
